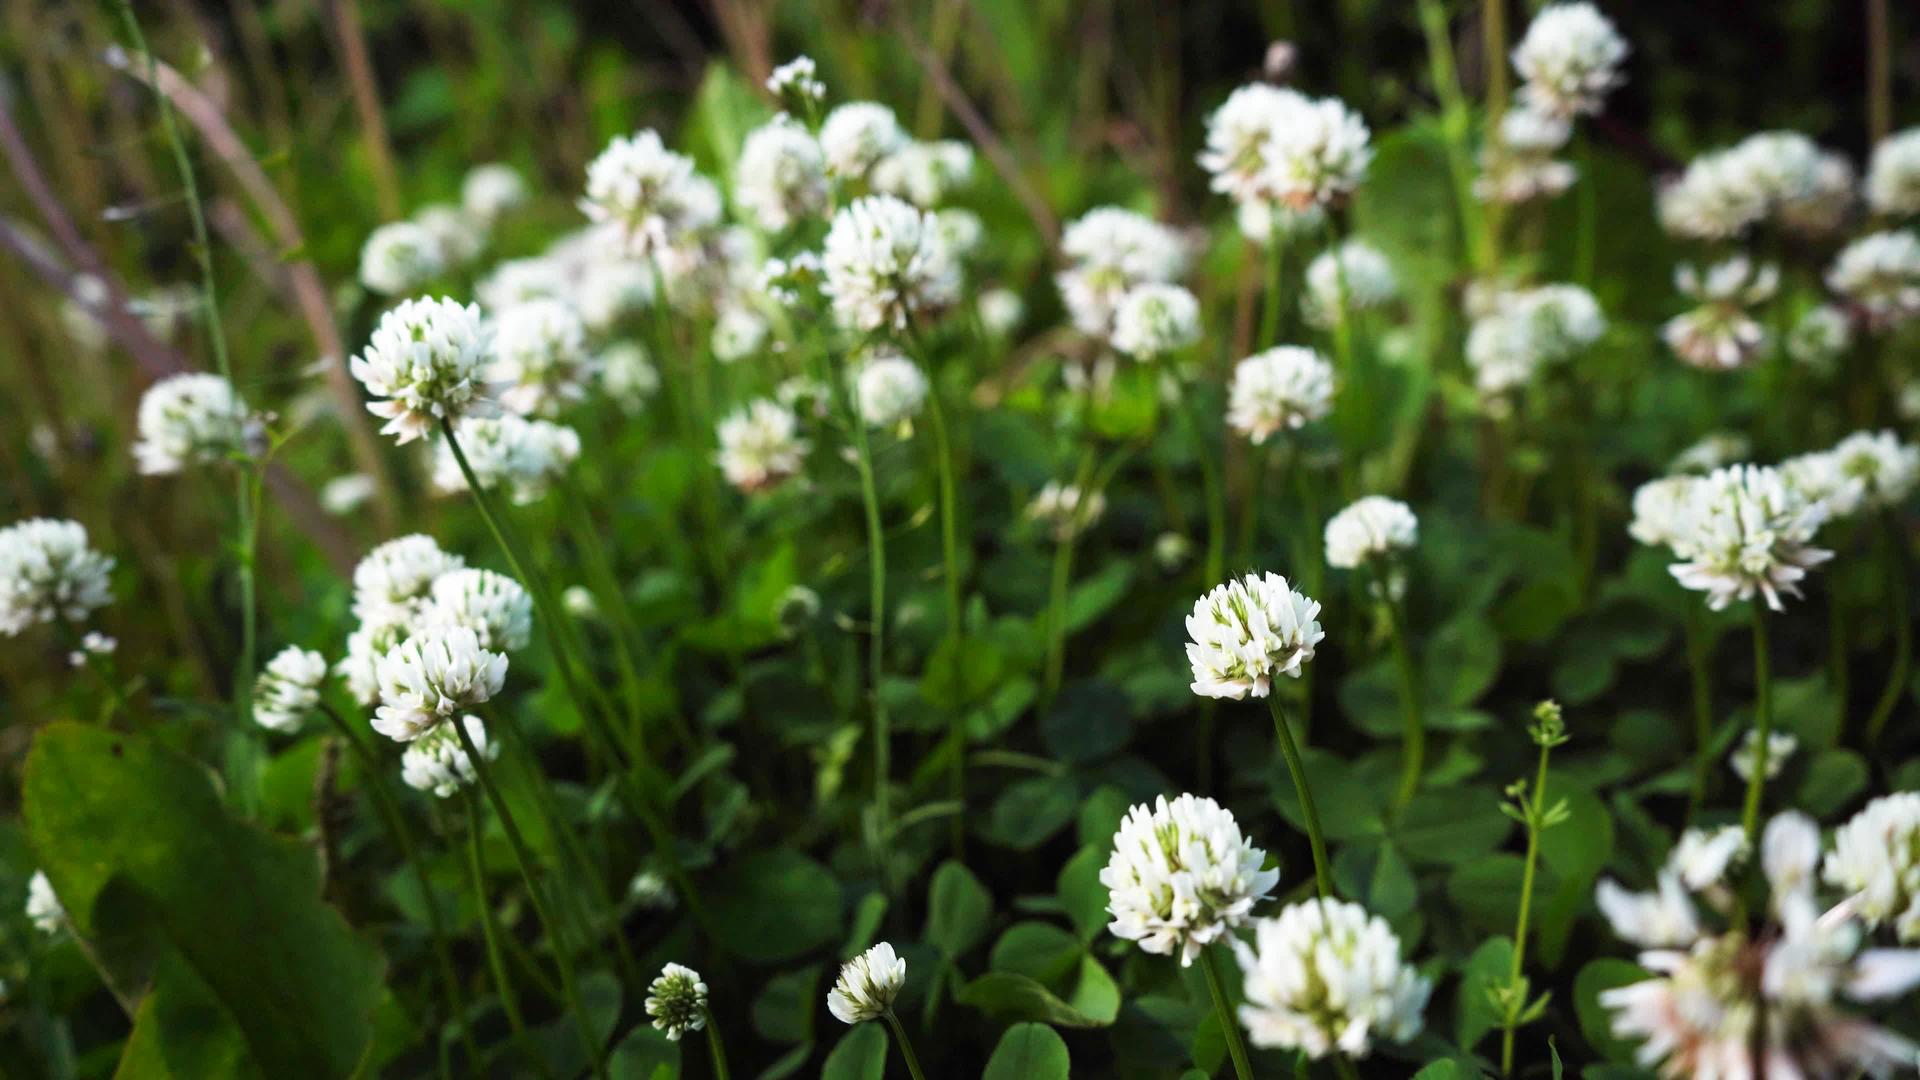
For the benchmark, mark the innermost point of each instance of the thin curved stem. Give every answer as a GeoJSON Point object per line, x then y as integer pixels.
{"type": "Point", "coordinates": [906, 1046]}
{"type": "Point", "coordinates": [877, 634]}
{"type": "Point", "coordinates": [956, 615]}
{"type": "Point", "coordinates": [496, 960]}
{"type": "Point", "coordinates": [1059, 579]}
{"type": "Point", "coordinates": [1762, 727]}
{"type": "Point", "coordinates": [1413, 752]}
{"type": "Point", "coordinates": [1215, 495]}
{"type": "Point", "coordinates": [716, 1046]}
{"type": "Point", "coordinates": [1229, 1027]}
{"type": "Point", "coordinates": [1322, 875]}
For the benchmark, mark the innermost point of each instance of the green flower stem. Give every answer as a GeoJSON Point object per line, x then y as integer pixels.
{"type": "Point", "coordinates": [1211, 486]}
{"type": "Point", "coordinates": [1762, 726]}
{"type": "Point", "coordinates": [624, 631]}
{"type": "Point", "coordinates": [1896, 687]}
{"type": "Point", "coordinates": [1838, 675]}
{"type": "Point", "coordinates": [877, 629]}
{"type": "Point", "coordinates": [1229, 1027]}
{"type": "Point", "coordinates": [563, 958]}
{"type": "Point", "coordinates": [1061, 578]}
{"type": "Point", "coordinates": [1413, 751]}
{"type": "Point", "coordinates": [1698, 646]}
{"type": "Point", "coordinates": [716, 1046]}
{"type": "Point", "coordinates": [1313, 570]}
{"type": "Point", "coordinates": [956, 615]}
{"type": "Point", "coordinates": [1455, 120]}
{"type": "Point", "coordinates": [906, 1046]}
{"type": "Point", "coordinates": [1536, 816]}
{"type": "Point", "coordinates": [496, 961]}
{"type": "Point", "coordinates": [1322, 876]}
{"type": "Point", "coordinates": [1587, 229]}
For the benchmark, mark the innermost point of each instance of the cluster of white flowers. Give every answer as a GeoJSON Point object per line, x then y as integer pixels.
{"type": "Point", "coordinates": [93, 644]}
{"type": "Point", "coordinates": [1517, 331]}
{"type": "Point", "coordinates": [1375, 527]}
{"type": "Point", "coordinates": [677, 1001]}
{"type": "Point", "coordinates": [650, 196]}
{"type": "Point", "coordinates": [1156, 320]}
{"type": "Point", "coordinates": [1282, 389]}
{"type": "Point", "coordinates": [1518, 166]}
{"type": "Point", "coordinates": [781, 177]}
{"type": "Point", "coordinates": [1876, 861]}
{"type": "Point", "coordinates": [48, 573]}
{"type": "Point", "coordinates": [797, 82]}
{"type": "Point", "coordinates": [43, 906]}
{"type": "Point", "coordinates": [399, 257]}
{"type": "Point", "coordinates": [1880, 275]}
{"type": "Point", "coordinates": [1880, 469]}
{"type": "Point", "coordinates": [886, 264]}
{"type": "Point", "coordinates": [288, 691]}
{"type": "Point", "coordinates": [1746, 530]}
{"type": "Point", "coordinates": [540, 360]}
{"type": "Point", "coordinates": [925, 173]}
{"type": "Point", "coordinates": [524, 456]}
{"type": "Point", "coordinates": [1570, 60]}
{"type": "Point", "coordinates": [1181, 876]}
{"type": "Point", "coordinates": [1721, 334]}
{"type": "Point", "coordinates": [1279, 148]}
{"type": "Point", "coordinates": [1781, 176]}
{"type": "Point", "coordinates": [1248, 631]}
{"type": "Point", "coordinates": [1066, 510]}
{"type": "Point", "coordinates": [425, 362]}
{"type": "Point", "coordinates": [192, 419]}
{"type": "Point", "coordinates": [494, 606]}
{"type": "Point", "coordinates": [1351, 278]}
{"type": "Point", "coordinates": [437, 763]}
{"type": "Point", "coordinates": [857, 136]}
{"type": "Point", "coordinates": [432, 675]}
{"type": "Point", "coordinates": [1660, 509]}
{"type": "Point", "coordinates": [1109, 252]}
{"type": "Point", "coordinates": [760, 445]}
{"type": "Point", "coordinates": [867, 985]}
{"type": "Point", "coordinates": [1780, 747]}
{"type": "Point", "coordinates": [890, 389]}
{"type": "Point", "coordinates": [1893, 174]}
{"type": "Point", "coordinates": [1327, 977]}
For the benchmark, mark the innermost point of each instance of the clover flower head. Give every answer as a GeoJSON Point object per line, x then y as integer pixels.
{"type": "Point", "coordinates": [677, 1001]}
{"type": "Point", "coordinates": [193, 419]}
{"type": "Point", "coordinates": [1109, 251]}
{"type": "Point", "coordinates": [1820, 336]}
{"type": "Point", "coordinates": [1281, 389]}
{"type": "Point", "coordinates": [1155, 320]}
{"type": "Point", "coordinates": [867, 985]}
{"type": "Point", "coordinates": [1876, 862]}
{"type": "Point", "coordinates": [48, 573]}
{"type": "Point", "coordinates": [1880, 275]}
{"type": "Point", "coordinates": [1780, 747]}
{"type": "Point", "coordinates": [494, 606]}
{"type": "Point", "coordinates": [650, 196]}
{"type": "Point", "coordinates": [1893, 174]}
{"type": "Point", "coordinates": [1660, 510]}
{"type": "Point", "coordinates": [738, 332]}
{"type": "Point", "coordinates": [540, 359]}
{"type": "Point", "coordinates": [489, 190]}
{"type": "Point", "coordinates": [1823, 479]}
{"type": "Point", "coordinates": [1351, 278]}
{"type": "Point", "coordinates": [288, 690]}
{"type": "Point", "coordinates": [1570, 60]}
{"type": "Point", "coordinates": [1181, 876]}
{"type": "Point", "coordinates": [43, 906]}
{"type": "Point", "coordinates": [1326, 977]}
{"type": "Point", "coordinates": [433, 675]}
{"type": "Point", "coordinates": [1519, 166]}
{"type": "Point", "coordinates": [1715, 198]}
{"type": "Point", "coordinates": [1246, 632]}
{"type": "Point", "coordinates": [797, 81]}
{"type": "Point", "coordinates": [396, 575]}
{"type": "Point", "coordinates": [760, 445]}
{"type": "Point", "coordinates": [1887, 468]}
{"type": "Point", "coordinates": [1001, 311]}
{"type": "Point", "coordinates": [524, 456]}
{"type": "Point", "coordinates": [925, 173]}
{"type": "Point", "coordinates": [891, 390]}
{"type": "Point", "coordinates": [856, 136]}
{"type": "Point", "coordinates": [425, 363]}
{"type": "Point", "coordinates": [1065, 509]}
{"type": "Point", "coordinates": [1282, 147]}
{"type": "Point", "coordinates": [781, 177]}
{"type": "Point", "coordinates": [437, 763]}
{"type": "Point", "coordinates": [1721, 334]}
{"type": "Point", "coordinates": [1702, 858]}
{"type": "Point", "coordinates": [628, 375]}
{"type": "Point", "coordinates": [1375, 527]}
{"type": "Point", "coordinates": [369, 641]}
{"type": "Point", "coordinates": [399, 257]}
{"type": "Point", "coordinates": [1748, 532]}
{"type": "Point", "coordinates": [886, 263]}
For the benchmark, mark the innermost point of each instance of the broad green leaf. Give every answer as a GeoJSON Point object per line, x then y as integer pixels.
{"type": "Point", "coordinates": [1832, 780]}
{"type": "Point", "coordinates": [1017, 997]}
{"type": "Point", "coordinates": [774, 905]}
{"type": "Point", "coordinates": [783, 1010]}
{"type": "Point", "coordinates": [1029, 812]}
{"type": "Point", "coordinates": [1488, 967]}
{"type": "Point", "coordinates": [958, 909]}
{"type": "Point", "coordinates": [1028, 1051]}
{"type": "Point", "coordinates": [1088, 720]}
{"type": "Point", "coordinates": [645, 1054]}
{"type": "Point", "coordinates": [861, 1054]}
{"type": "Point", "coordinates": [1460, 661]}
{"type": "Point", "coordinates": [1081, 894]}
{"type": "Point", "coordinates": [1595, 1020]}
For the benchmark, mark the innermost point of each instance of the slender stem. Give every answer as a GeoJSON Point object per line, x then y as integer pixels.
{"type": "Point", "coordinates": [1697, 656]}
{"type": "Point", "coordinates": [1061, 577]}
{"type": "Point", "coordinates": [1210, 482]}
{"type": "Point", "coordinates": [1762, 726]}
{"type": "Point", "coordinates": [906, 1046]}
{"type": "Point", "coordinates": [1322, 876]}
{"type": "Point", "coordinates": [877, 630]}
{"type": "Point", "coordinates": [1413, 752]}
{"type": "Point", "coordinates": [1352, 381]}
{"type": "Point", "coordinates": [1838, 675]}
{"type": "Point", "coordinates": [1454, 120]}
{"type": "Point", "coordinates": [716, 1046]}
{"type": "Point", "coordinates": [1310, 555]}
{"type": "Point", "coordinates": [1897, 678]}
{"type": "Point", "coordinates": [1535, 816]}
{"type": "Point", "coordinates": [477, 875]}
{"type": "Point", "coordinates": [1257, 465]}
{"type": "Point", "coordinates": [1229, 1027]}
{"type": "Point", "coordinates": [1586, 233]}
{"type": "Point", "coordinates": [956, 615]}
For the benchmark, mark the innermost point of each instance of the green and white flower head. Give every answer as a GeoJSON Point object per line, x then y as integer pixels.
{"type": "Point", "coordinates": [1247, 632]}
{"type": "Point", "coordinates": [360, 667]}
{"type": "Point", "coordinates": [867, 985]}
{"type": "Point", "coordinates": [1660, 510]}
{"type": "Point", "coordinates": [540, 360]}
{"type": "Point", "coordinates": [1570, 60]}
{"type": "Point", "coordinates": [925, 173]}
{"type": "Point", "coordinates": [891, 390]}
{"type": "Point", "coordinates": [1820, 336]}
{"type": "Point", "coordinates": [1565, 319]}
{"type": "Point", "coordinates": [1893, 175]}
{"type": "Point", "coordinates": [857, 136]}
{"type": "Point", "coordinates": [760, 445]}
{"type": "Point", "coordinates": [488, 191]}
{"type": "Point", "coordinates": [1109, 251]}
{"type": "Point", "coordinates": [288, 691]}
{"type": "Point", "coordinates": [48, 573]}
{"type": "Point", "coordinates": [459, 236]}
{"type": "Point", "coordinates": [193, 419]}
{"type": "Point", "coordinates": [433, 675]}
{"type": "Point", "coordinates": [494, 606]}
{"type": "Point", "coordinates": [961, 230]}
{"type": "Point", "coordinates": [1239, 134]}
{"type": "Point", "coordinates": [1156, 320]}
{"type": "Point", "coordinates": [397, 575]}
{"type": "Point", "coordinates": [1283, 388]}
{"type": "Point", "coordinates": [1181, 876]}
{"type": "Point", "coordinates": [1327, 977]}
{"type": "Point", "coordinates": [1748, 532]}
{"type": "Point", "coordinates": [1520, 167]}
{"type": "Point", "coordinates": [1721, 334]}
{"type": "Point", "coordinates": [1713, 199]}
{"type": "Point", "coordinates": [677, 1001]}
{"type": "Point", "coordinates": [43, 907]}
{"type": "Point", "coordinates": [1375, 527]}
{"type": "Point", "coordinates": [1356, 268]}
{"type": "Point", "coordinates": [1780, 747]}
{"type": "Point", "coordinates": [781, 176]}
{"type": "Point", "coordinates": [797, 82]}
{"type": "Point", "coordinates": [437, 763]}
{"type": "Point", "coordinates": [525, 456]}
{"type": "Point", "coordinates": [886, 264]}
{"type": "Point", "coordinates": [1876, 862]}
{"type": "Point", "coordinates": [651, 891]}
{"type": "Point", "coordinates": [1281, 147]}
{"type": "Point", "coordinates": [738, 333]}
{"type": "Point", "coordinates": [1887, 468]}
{"type": "Point", "coordinates": [793, 281]}
{"type": "Point", "coordinates": [425, 363]}
{"type": "Point", "coordinates": [1880, 275]}
{"type": "Point", "coordinates": [522, 281]}
{"type": "Point", "coordinates": [1786, 177]}
{"type": "Point", "coordinates": [648, 195]}
{"type": "Point", "coordinates": [628, 375]}
{"type": "Point", "coordinates": [1503, 350]}
{"type": "Point", "coordinates": [399, 257]}
{"type": "Point", "coordinates": [1822, 478]}
{"type": "Point", "coordinates": [1001, 311]}
{"type": "Point", "coordinates": [1065, 510]}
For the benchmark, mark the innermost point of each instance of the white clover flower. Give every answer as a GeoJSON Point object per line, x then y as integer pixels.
{"type": "Point", "coordinates": [490, 190]}
{"type": "Point", "coordinates": [494, 606]}
{"type": "Point", "coordinates": [459, 237]}
{"type": "Point", "coordinates": [781, 176]}
{"type": "Point", "coordinates": [522, 281]}
{"type": "Point", "coordinates": [1238, 136]}
{"type": "Point", "coordinates": [650, 891]}
{"type": "Point", "coordinates": [1519, 165]}
{"type": "Point", "coordinates": [1887, 468]}
{"type": "Point", "coordinates": [1715, 198]}
{"type": "Point", "coordinates": [1701, 858]}
{"type": "Point", "coordinates": [649, 195]}
{"type": "Point", "coordinates": [1284, 148]}
{"type": "Point", "coordinates": [1662, 919]}
{"type": "Point", "coordinates": [399, 257]}
{"type": "Point", "coordinates": [1504, 350]}
{"type": "Point", "coordinates": [797, 80]}
{"type": "Point", "coordinates": [885, 263]}
{"type": "Point", "coordinates": [436, 762]}
{"type": "Point", "coordinates": [1795, 183]}
{"type": "Point", "coordinates": [1375, 527]}
{"type": "Point", "coordinates": [1066, 510]}
{"type": "Point", "coordinates": [288, 691]}
{"type": "Point", "coordinates": [425, 361]}
{"type": "Point", "coordinates": [1714, 450]}
{"type": "Point", "coordinates": [1820, 336]}
{"type": "Point", "coordinates": [1351, 278]}
{"type": "Point", "coordinates": [1155, 320]}
{"type": "Point", "coordinates": [540, 359]}
{"type": "Point", "coordinates": [1570, 60]}
{"type": "Point", "coordinates": [1109, 251]}
{"type": "Point", "coordinates": [1326, 977]}
{"type": "Point", "coordinates": [396, 576]}
{"type": "Point", "coordinates": [433, 675]}
{"type": "Point", "coordinates": [43, 907]}
{"type": "Point", "coordinates": [1823, 480]}
{"type": "Point", "coordinates": [1720, 334]}
{"type": "Point", "coordinates": [1001, 311]}
{"type": "Point", "coordinates": [1780, 747]}
{"type": "Point", "coordinates": [1263, 222]}
{"type": "Point", "coordinates": [628, 376]}
{"type": "Point", "coordinates": [1876, 861]}
{"type": "Point", "coordinates": [1880, 274]}
{"type": "Point", "coordinates": [1660, 510]}
{"type": "Point", "coordinates": [961, 230]}
{"type": "Point", "coordinates": [760, 445]}
{"type": "Point", "coordinates": [1749, 531]}
{"type": "Point", "coordinates": [49, 574]}
{"type": "Point", "coordinates": [867, 985]}
{"type": "Point", "coordinates": [925, 173]}
{"type": "Point", "coordinates": [610, 290]}
{"type": "Point", "coordinates": [368, 642]}
{"type": "Point", "coordinates": [93, 643]}
{"type": "Point", "coordinates": [193, 419]}
{"type": "Point", "coordinates": [525, 456]}
{"type": "Point", "coordinates": [1893, 174]}
{"type": "Point", "coordinates": [677, 1001]}
{"type": "Point", "coordinates": [1282, 389]}
{"type": "Point", "coordinates": [1171, 551]}
{"type": "Point", "coordinates": [891, 390]}
{"type": "Point", "coordinates": [856, 136]}
{"type": "Point", "coordinates": [738, 333]}
{"type": "Point", "coordinates": [1248, 631]}
{"type": "Point", "coordinates": [788, 281]}
{"type": "Point", "coordinates": [1181, 876]}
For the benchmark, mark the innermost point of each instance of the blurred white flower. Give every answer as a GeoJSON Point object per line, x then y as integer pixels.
{"type": "Point", "coordinates": [651, 196]}
{"type": "Point", "coordinates": [891, 390]}
{"type": "Point", "coordinates": [490, 190]}
{"type": "Point", "coordinates": [1720, 334]}
{"type": "Point", "coordinates": [1263, 222]}
{"type": "Point", "coordinates": [1822, 480]}
{"type": "Point", "coordinates": [193, 419]}
{"type": "Point", "coordinates": [1820, 336]}
{"type": "Point", "coordinates": [436, 761]}
{"type": "Point", "coordinates": [93, 643]}
{"type": "Point", "coordinates": [1503, 351]}
{"type": "Point", "coordinates": [738, 333]}
{"type": "Point", "coordinates": [1001, 311]}
{"type": "Point", "coordinates": [789, 282]}
{"type": "Point", "coordinates": [1327, 977]}
{"type": "Point", "coordinates": [1519, 165]}
{"type": "Point", "coordinates": [433, 675]}
{"type": "Point", "coordinates": [1893, 174]}
{"type": "Point", "coordinates": [368, 642]}
{"type": "Point", "coordinates": [1714, 450]}
{"type": "Point", "coordinates": [1065, 510]}
{"type": "Point", "coordinates": [425, 362]}
{"type": "Point", "coordinates": [628, 376]}
{"type": "Point", "coordinates": [494, 606]}
{"type": "Point", "coordinates": [961, 230]}
{"type": "Point", "coordinates": [760, 445]}
{"type": "Point", "coordinates": [611, 290]}
{"type": "Point", "coordinates": [651, 892]}
{"type": "Point", "coordinates": [1886, 467]}
{"type": "Point", "coordinates": [1660, 510]}
{"type": "Point", "coordinates": [1780, 747]}
{"type": "Point", "coordinates": [856, 136]}
{"type": "Point", "coordinates": [925, 173]}
{"type": "Point", "coordinates": [1281, 147]}
{"type": "Point", "coordinates": [677, 1001]}
{"type": "Point", "coordinates": [526, 456]}
{"type": "Point", "coordinates": [1701, 858]}
{"type": "Point", "coordinates": [1748, 531]}
{"type": "Point", "coordinates": [342, 495]}
{"type": "Point", "coordinates": [797, 82]}
{"type": "Point", "coordinates": [49, 574]}
{"type": "Point", "coordinates": [399, 257]}
{"type": "Point", "coordinates": [1171, 551]}
{"type": "Point", "coordinates": [83, 312]}
{"type": "Point", "coordinates": [885, 264]}
{"type": "Point", "coordinates": [1876, 861]}
{"type": "Point", "coordinates": [288, 691]}
{"type": "Point", "coordinates": [1662, 919]}
{"type": "Point", "coordinates": [1108, 252]}
{"type": "Point", "coordinates": [540, 360]}
{"type": "Point", "coordinates": [1375, 527]}
{"type": "Point", "coordinates": [1570, 60]}
{"type": "Point", "coordinates": [43, 907]}
{"type": "Point", "coordinates": [1880, 274]}
{"type": "Point", "coordinates": [459, 237]}
{"type": "Point", "coordinates": [1246, 632]}
{"type": "Point", "coordinates": [867, 985]}
{"type": "Point", "coordinates": [781, 176]}
{"type": "Point", "coordinates": [521, 281]}
{"type": "Point", "coordinates": [1281, 389]}
{"type": "Point", "coordinates": [395, 577]}
{"type": "Point", "coordinates": [1181, 876]}
{"type": "Point", "coordinates": [1352, 278]}
{"type": "Point", "coordinates": [1154, 320]}
{"type": "Point", "coordinates": [1715, 198]}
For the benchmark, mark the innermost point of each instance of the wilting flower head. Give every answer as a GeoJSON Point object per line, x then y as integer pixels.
{"type": "Point", "coordinates": [1181, 876]}
{"type": "Point", "coordinates": [867, 985]}
{"type": "Point", "coordinates": [1326, 977]}
{"type": "Point", "coordinates": [885, 263]}
{"type": "Point", "coordinates": [424, 360]}
{"type": "Point", "coordinates": [396, 576]}
{"type": "Point", "coordinates": [1880, 274]}
{"type": "Point", "coordinates": [760, 445]}
{"type": "Point", "coordinates": [1780, 747]}
{"type": "Point", "coordinates": [925, 173]}
{"type": "Point", "coordinates": [494, 606]}
{"type": "Point", "coordinates": [891, 390]}
{"type": "Point", "coordinates": [1375, 527]}
{"type": "Point", "coordinates": [490, 190]}
{"type": "Point", "coordinates": [1886, 467]}
{"type": "Point", "coordinates": [1155, 320]}
{"type": "Point", "coordinates": [400, 257]}
{"type": "Point", "coordinates": [1353, 277]}
{"type": "Point", "coordinates": [1520, 166]}
{"type": "Point", "coordinates": [1660, 510]}
{"type": "Point", "coordinates": [1066, 510]}
{"type": "Point", "coordinates": [48, 573]}
{"type": "Point", "coordinates": [1820, 336]}
{"type": "Point", "coordinates": [649, 195]}
{"type": "Point", "coordinates": [431, 676]}
{"type": "Point", "coordinates": [782, 175]}
{"type": "Point", "coordinates": [1109, 251]}
{"type": "Point", "coordinates": [1248, 631]}
{"type": "Point", "coordinates": [1876, 861]}
{"type": "Point", "coordinates": [856, 136]}
{"type": "Point", "coordinates": [1748, 531]}
{"type": "Point", "coordinates": [1893, 174]}
{"type": "Point", "coordinates": [1281, 389]}
{"type": "Point", "coordinates": [192, 419]}
{"type": "Point", "coordinates": [289, 689]}
{"type": "Point", "coordinates": [1282, 147]}
{"type": "Point", "coordinates": [43, 907]}
{"type": "Point", "coordinates": [797, 82]}
{"type": "Point", "coordinates": [1570, 59]}
{"type": "Point", "coordinates": [1720, 334]}
{"type": "Point", "coordinates": [526, 456]}
{"type": "Point", "coordinates": [436, 761]}
{"type": "Point", "coordinates": [540, 359]}
{"type": "Point", "coordinates": [677, 1001]}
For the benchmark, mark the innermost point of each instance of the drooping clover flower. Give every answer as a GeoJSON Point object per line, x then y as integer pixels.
{"type": "Point", "coordinates": [1375, 527]}
{"type": "Point", "coordinates": [1156, 320]}
{"type": "Point", "coordinates": [1780, 747]}
{"type": "Point", "coordinates": [891, 390]}
{"type": "Point", "coordinates": [1820, 336]}
{"type": "Point", "coordinates": [856, 136]}
{"type": "Point", "coordinates": [436, 761]}
{"type": "Point", "coordinates": [48, 573]}
{"type": "Point", "coordinates": [1181, 876]}
{"type": "Point", "coordinates": [1887, 468]}
{"type": "Point", "coordinates": [1893, 174]}
{"type": "Point", "coordinates": [1282, 389]}
{"type": "Point", "coordinates": [494, 606]}
{"type": "Point", "coordinates": [1720, 334]}
{"type": "Point", "coordinates": [488, 191]}
{"type": "Point", "coordinates": [797, 82]}
{"type": "Point", "coordinates": [650, 196]}
{"type": "Point", "coordinates": [288, 691]}
{"type": "Point", "coordinates": [885, 264]}
{"type": "Point", "coordinates": [925, 173]}
{"type": "Point", "coordinates": [425, 362]}
{"type": "Point", "coordinates": [1327, 977]}
{"type": "Point", "coordinates": [1660, 510]}
{"type": "Point", "coordinates": [1066, 510]}
{"type": "Point", "coordinates": [524, 456]}
{"type": "Point", "coordinates": [399, 257]}
{"type": "Point", "coordinates": [1876, 861]}
{"type": "Point", "coordinates": [867, 985]}
{"type": "Point", "coordinates": [1880, 274]}
{"type": "Point", "coordinates": [1352, 278]}
{"type": "Point", "coordinates": [1748, 531]}
{"type": "Point", "coordinates": [1280, 147]}
{"type": "Point", "coordinates": [397, 575]}
{"type": "Point", "coordinates": [760, 445]}
{"type": "Point", "coordinates": [781, 177]}
{"type": "Point", "coordinates": [1109, 251]}
{"type": "Point", "coordinates": [677, 1001]}
{"type": "Point", "coordinates": [192, 419]}
{"type": "Point", "coordinates": [43, 906]}
{"type": "Point", "coordinates": [540, 358]}
{"type": "Point", "coordinates": [1248, 631]}
{"type": "Point", "coordinates": [433, 675]}
{"type": "Point", "coordinates": [1519, 166]}
{"type": "Point", "coordinates": [1570, 60]}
